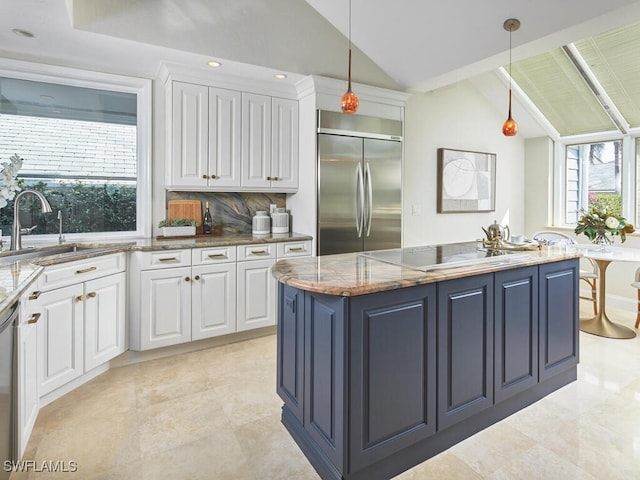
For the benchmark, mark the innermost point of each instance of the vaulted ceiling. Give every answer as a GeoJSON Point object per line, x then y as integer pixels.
{"type": "Point", "coordinates": [412, 45]}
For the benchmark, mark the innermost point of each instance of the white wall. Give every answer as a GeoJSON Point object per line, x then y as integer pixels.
{"type": "Point", "coordinates": [457, 117]}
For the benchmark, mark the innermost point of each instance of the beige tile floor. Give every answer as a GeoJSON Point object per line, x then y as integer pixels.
{"type": "Point", "coordinates": [214, 414]}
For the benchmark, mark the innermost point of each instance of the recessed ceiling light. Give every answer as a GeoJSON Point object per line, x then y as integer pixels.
{"type": "Point", "coordinates": [23, 33]}
{"type": "Point", "coordinates": [213, 63]}
{"type": "Point", "coordinates": [280, 76]}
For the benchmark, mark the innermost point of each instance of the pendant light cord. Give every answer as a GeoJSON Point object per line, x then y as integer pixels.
{"type": "Point", "coordinates": [349, 73]}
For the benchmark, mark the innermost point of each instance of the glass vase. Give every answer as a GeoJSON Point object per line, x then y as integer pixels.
{"type": "Point", "coordinates": [602, 240]}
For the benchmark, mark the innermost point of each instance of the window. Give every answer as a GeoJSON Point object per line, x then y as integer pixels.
{"type": "Point", "coordinates": [593, 176]}
{"type": "Point", "coordinates": [85, 147]}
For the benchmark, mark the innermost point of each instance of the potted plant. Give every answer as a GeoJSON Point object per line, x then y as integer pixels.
{"type": "Point", "coordinates": [178, 227]}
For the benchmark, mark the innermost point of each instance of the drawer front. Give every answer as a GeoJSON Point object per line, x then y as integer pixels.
{"type": "Point", "coordinates": [208, 256]}
{"type": "Point", "coordinates": [163, 259]}
{"type": "Point", "coordinates": [259, 251]}
{"type": "Point", "coordinates": [294, 249]}
{"type": "Point", "coordinates": [56, 276]}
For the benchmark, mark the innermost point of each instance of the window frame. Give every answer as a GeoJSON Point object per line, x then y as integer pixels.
{"type": "Point", "coordinates": [629, 192]}
{"type": "Point", "coordinates": [142, 88]}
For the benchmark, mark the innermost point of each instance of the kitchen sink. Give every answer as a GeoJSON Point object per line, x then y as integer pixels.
{"type": "Point", "coordinates": [41, 252]}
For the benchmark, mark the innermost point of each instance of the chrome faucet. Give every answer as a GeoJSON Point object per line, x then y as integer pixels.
{"type": "Point", "coordinates": [16, 240]}
{"type": "Point", "coordinates": [61, 239]}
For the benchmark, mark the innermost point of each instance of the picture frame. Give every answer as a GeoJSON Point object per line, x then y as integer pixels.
{"type": "Point", "coordinates": [466, 181]}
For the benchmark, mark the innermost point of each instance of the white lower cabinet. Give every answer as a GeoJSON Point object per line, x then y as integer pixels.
{"type": "Point", "coordinates": [81, 318]}
{"type": "Point", "coordinates": [28, 403]}
{"type": "Point", "coordinates": [213, 300]}
{"type": "Point", "coordinates": [104, 319]}
{"type": "Point", "coordinates": [179, 302]}
{"type": "Point", "coordinates": [60, 337]}
{"type": "Point", "coordinates": [256, 299]}
{"type": "Point", "coordinates": [191, 294]}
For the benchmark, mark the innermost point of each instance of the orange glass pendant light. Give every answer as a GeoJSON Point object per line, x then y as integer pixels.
{"type": "Point", "coordinates": [510, 127]}
{"type": "Point", "coordinates": [349, 102]}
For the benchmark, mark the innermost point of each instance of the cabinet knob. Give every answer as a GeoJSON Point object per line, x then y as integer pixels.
{"type": "Point", "coordinates": [187, 279]}
{"type": "Point", "coordinates": [275, 178]}
{"type": "Point", "coordinates": [91, 294]}
{"type": "Point", "coordinates": [34, 318]}
{"type": "Point", "coordinates": [205, 176]}
{"type": "Point", "coordinates": [268, 178]}
{"type": "Point", "coordinates": [35, 295]}
{"type": "Point", "coordinates": [213, 176]}
{"type": "Point", "coordinates": [197, 277]}
{"type": "Point", "coordinates": [81, 298]}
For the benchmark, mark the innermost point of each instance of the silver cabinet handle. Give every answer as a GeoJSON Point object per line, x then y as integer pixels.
{"type": "Point", "coordinates": [259, 252]}
{"type": "Point", "coordinates": [168, 259]}
{"type": "Point", "coordinates": [296, 249]}
{"type": "Point", "coordinates": [34, 318]}
{"type": "Point", "coordinates": [217, 255]}
{"type": "Point", "coordinates": [35, 294]}
{"type": "Point", "coordinates": [86, 270]}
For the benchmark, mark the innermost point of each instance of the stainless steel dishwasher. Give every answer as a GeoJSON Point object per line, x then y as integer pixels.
{"type": "Point", "coordinates": [8, 325]}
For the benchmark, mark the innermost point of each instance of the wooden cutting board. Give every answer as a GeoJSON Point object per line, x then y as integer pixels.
{"type": "Point", "coordinates": [191, 209]}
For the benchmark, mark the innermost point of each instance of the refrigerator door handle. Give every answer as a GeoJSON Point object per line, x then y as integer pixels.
{"type": "Point", "coordinates": [359, 200]}
{"type": "Point", "coordinates": [369, 198]}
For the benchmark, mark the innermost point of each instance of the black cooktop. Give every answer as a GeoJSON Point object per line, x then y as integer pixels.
{"type": "Point", "coordinates": [451, 255]}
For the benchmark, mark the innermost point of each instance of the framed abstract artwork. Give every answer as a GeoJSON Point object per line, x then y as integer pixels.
{"type": "Point", "coordinates": [466, 181]}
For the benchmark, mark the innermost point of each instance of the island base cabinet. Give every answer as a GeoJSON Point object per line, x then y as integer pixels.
{"type": "Point", "coordinates": [465, 348]}
{"type": "Point", "coordinates": [516, 331]}
{"type": "Point", "coordinates": [559, 319]}
{"type": "Point", "coordinates": [392, 357]}
{"type": "Point", "coordinates": [375, 384]}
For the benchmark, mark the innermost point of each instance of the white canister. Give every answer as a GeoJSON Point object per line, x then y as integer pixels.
{"type": "Point", "coordinates": [261, 223]}
{"type": "Point", "coordinates": [280, 221]}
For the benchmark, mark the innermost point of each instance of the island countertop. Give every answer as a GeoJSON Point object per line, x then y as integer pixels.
{"type": "Point", "coordinates": [352, 274]}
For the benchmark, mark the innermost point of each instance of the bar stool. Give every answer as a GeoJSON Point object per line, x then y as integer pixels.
{"type": "Point", "coordinates": [548, 237]}
{"type": "Point", "coordinates": [636, 285]}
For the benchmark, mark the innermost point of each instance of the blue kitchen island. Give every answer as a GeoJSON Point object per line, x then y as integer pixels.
{"type": "Point", "coordinates": [384, 363]}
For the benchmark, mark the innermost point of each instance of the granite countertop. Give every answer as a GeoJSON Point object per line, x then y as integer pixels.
{"type": "Point", "coordinates": [354, 274]}
{"type": "Point", "coordinates": [17, 276]}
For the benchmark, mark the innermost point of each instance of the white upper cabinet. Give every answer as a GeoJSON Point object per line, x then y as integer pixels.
{"type": "Point", "coordinates": [256, 141]}
{"type": "Point", "coordinates": [189, 135]}
{"type": "Point", "coordinates": [222, 139]}
{"type": "Point", "coordinates": [284, 144]}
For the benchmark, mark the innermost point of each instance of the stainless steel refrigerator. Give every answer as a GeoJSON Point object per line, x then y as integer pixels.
{"type": "Point", "coordinates": [359, 183]}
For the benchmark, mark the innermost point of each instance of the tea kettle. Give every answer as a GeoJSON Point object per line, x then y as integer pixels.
{"type": "Point", "coordinates": [496, 232]}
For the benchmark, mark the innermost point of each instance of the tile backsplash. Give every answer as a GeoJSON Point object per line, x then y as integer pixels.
{"type": "Point", "coordinates": [233, 210]}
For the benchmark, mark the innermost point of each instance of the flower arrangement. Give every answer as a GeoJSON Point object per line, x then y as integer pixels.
{"type": "Point", "coordinates": [8, 181]}
{"type": "Point", "coordinates": [598, 221]}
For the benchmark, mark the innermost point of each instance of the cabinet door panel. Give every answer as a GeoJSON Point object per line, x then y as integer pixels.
{"type": "Point", "coordinates": [256, 140]}
{"type": "Point", "coordinates": [213, 296]}
{"type": "Point", "coordinates": [284, 144]}
{"type": "Point", "coordinates": [465, 340]}
{"type": "Point", "coordinates": [516, 331]}
{"type": "Point", "coordinates": [166, 307]}
{"type": "Point", "coordinates": [558, 317]}
{"type": "Point", "coordinates": [190, 124]}
{"type": "Point", "coordinates": [393, 372]}
{"type": "Point", "coordinates": [256, 295]}
{"type": "Point", "coordinates": [224, 137]}
{"type": "Point", "coordinates": [28, 396]}
{"type": "Point", "coordinates": [291, 348]}
{"type": "Point", "coordinates": [324, 364]}
{"type": "Point", "coordinates": [104, 319]}
{"type": "Point", "coordinates": [60, 337]}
